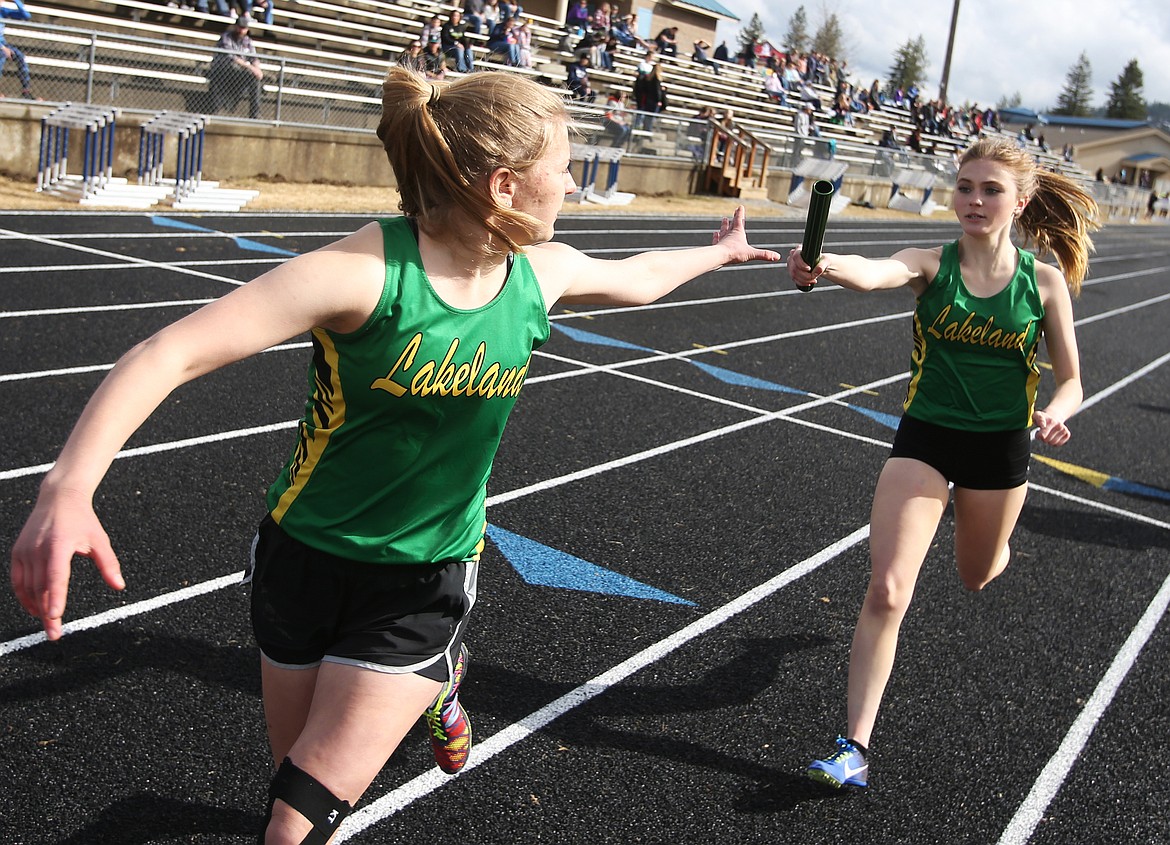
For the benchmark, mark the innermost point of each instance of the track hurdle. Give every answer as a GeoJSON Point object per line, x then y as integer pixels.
{"type": "Point", "coordinates": [906, 178]}
{"type": "Point", "coordinates": [591, 157]}
{"type": "Point", "coordinates": [810, 170]}
{"type": "Point", "coordinates": [188, 130]}
{"type": "Point", "coordinates": [97, 156]}
{"type": "Point", "coordinates": [190, 190]}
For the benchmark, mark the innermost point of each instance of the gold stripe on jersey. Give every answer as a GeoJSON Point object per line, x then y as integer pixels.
{"type": "Point", "coordinates": [917, 357]}
{"type": "Point", "coordinates": [328, 414]}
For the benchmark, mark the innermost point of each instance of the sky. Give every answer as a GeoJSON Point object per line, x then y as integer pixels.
{"type": "Point", "coordinates": [1001, 46]}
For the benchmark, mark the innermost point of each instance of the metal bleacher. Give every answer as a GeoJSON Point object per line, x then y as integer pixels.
{"type": "Point", "coordinates": [324, 60]}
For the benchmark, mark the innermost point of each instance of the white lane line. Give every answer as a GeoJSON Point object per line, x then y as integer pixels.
{"type": "Point", "coordinates": [433, 779]}
{"type": "Point", "coordinates": [120, 613]}
{"type": "Point", "coordinates": [128, 259]}
{"type": "Point", "coordinates": [1030, 813]}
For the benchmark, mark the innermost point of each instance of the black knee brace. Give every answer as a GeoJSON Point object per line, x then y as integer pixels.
{"type": "Point", "coordinates": [305, 794]}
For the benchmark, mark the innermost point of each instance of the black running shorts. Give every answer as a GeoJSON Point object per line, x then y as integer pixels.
{"type": "Point", "coordinates": [309, 606]}
{"type": "Point", "coordinates": [976, 460]}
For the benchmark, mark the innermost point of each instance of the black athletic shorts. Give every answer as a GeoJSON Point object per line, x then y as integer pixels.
{"type": "Point", "coordinates": [976, 460]}
{"type": "Point", "coordinates": [309, 606]}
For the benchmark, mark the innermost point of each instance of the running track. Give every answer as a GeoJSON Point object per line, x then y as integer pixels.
{"type": "Point", "coordinates": [679, 515]}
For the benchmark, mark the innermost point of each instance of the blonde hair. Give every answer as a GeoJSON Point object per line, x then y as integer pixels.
{"type": "Point", "coordinates": [444, 140]}
{"type": "Point", "coordinates": [1060, 213]}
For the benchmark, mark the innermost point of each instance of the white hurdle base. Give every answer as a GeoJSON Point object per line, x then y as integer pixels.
{"type": "Point", "coordinates": [615, 198]}
{"type": "Point", "coordinates": [208, 196]}
{"type": "Point", "coordinates": [116, 193]}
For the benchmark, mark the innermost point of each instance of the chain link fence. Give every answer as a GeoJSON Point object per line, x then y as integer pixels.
{"type": "Point", "coordinates": [143, 75]}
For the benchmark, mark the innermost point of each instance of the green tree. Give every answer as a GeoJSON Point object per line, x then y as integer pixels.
{"type": "Point", "coordinates": [1125, 95]}
{"type": "Point", "coordinates": [909, 64]}
{"type": "Point", "coordinates": [829, 39]}
{"type": "Point", "coordinates": [1012, 102]}
{"type": "Point", "coordinates": [751, 34]}
{"type": "Point", "coordinates": [797, 37]}
{"type": "Point", "coordinates": [1078, 90]}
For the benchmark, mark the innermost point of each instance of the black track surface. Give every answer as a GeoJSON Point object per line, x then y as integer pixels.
{"type": "Point", "coordinates": [1033, 711]}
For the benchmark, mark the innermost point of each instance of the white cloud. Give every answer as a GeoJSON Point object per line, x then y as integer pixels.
{"type": "Point", "coordinates": [1001, 46]}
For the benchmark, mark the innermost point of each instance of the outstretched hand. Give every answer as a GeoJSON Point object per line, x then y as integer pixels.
{"type": "Point", "coordinates": [1050, 430]}
{"type": "Point", "coordinates": [732, 234]}
{"type": "Point", "coordinates": [58, 528]}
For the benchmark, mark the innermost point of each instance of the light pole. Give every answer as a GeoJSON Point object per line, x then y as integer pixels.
{"type": "Point", "coordinates": [946, 74]}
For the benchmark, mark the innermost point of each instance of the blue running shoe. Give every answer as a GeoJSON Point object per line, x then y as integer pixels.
{"type": "Point", "coordinates": [844, 767]}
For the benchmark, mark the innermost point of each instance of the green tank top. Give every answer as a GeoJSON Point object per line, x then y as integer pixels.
{"type": "Point", "coordinates": [405, 415]}
{"type": "Point", "coordinates": [974, 361]}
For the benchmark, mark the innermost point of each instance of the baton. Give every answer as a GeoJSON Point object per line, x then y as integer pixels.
{"type": "Point", "coordinates": [819, 201]}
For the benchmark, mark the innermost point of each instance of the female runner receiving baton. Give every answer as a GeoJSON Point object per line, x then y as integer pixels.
{"type": "Point", "coordinates": [982, 308]}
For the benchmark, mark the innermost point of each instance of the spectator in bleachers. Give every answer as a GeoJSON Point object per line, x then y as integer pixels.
{"type": "Point", "coordinates": [577, 78]}
{"type": "Point", "coordinates": [223, 7]}
{"type": "Point", "coordinates": [508, 9]}
{"type": "Point", "coordinates": [523, 36]}
{"type": "Point", "coordinates": [412, 58]}
{"type": "Point", "coordinates": [700, 55]}
{"type": "Point", "coordinates": [806, 122]}
{"type": "Point", "coordinates": [876, 98]}
{"type": "Point", "coordinates": [491, 15]}
{"type": "Point", "coordinates": [579, 15]}
{"type": "Point", "coordinates": [747, 56]}
{"type": "Point", "coordinates": [791, 76]}
{"type": "Point", "coordinates": [235, 70]}
{"type": "Point", "coordinates": [617, 118]}
{"type": "Point", "coordinates": [889, 140]}
{"type": "Point", "coordinates": [432, 31]}
{"type": "Point", "coordinates": [262, 10]}
{"type": "Point", "coordinates": [473, 15]}
{"type": "Point", "coordinates": [15, 13]}
{"type": "Point", "coordinates": [601, 17]}
{"type": "Point", "coordinates": [456, 44]}
{"type": "Point", "coordinates": [842, 111]}
{"type": "Point", "coordinates": [593, 42]}
{"type": "Point", "coordinates": [722, 54]}
{"type": "Point", "coordinates": [667, 41]}
{"type": "Point", "coordinates": [434, 61]}
{"type": "Point", "coordinates": [649, 94]}
{"type": "Point", "coordinates": [700, 131]}
{"type": "Point", "coordinates": [774, 88]}
{"type": "Point", "coordinates": [502, 41]}
{"type": "Point", "coordinates": [624, 30]}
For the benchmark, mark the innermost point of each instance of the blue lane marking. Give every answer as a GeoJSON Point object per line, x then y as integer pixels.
{"type": "Point", "coordinates": [740, 380]}
{"type": "Point", "coordinates": [548, 567]}
{"type": "Point", "coordinates": [888, 420]}
{"type": "Point", "coordinates": [724, 375]}
{"type": "Point", "coordinates": [243, 243]}
{"type": "Point", "coordinates": [160, 220]}
{"type": "Point", "coordinates": [582, 336]}
{"type": "Point", "coordinates": [256, 246]}
{"type": "Point", "coordinates": [1133, 488]}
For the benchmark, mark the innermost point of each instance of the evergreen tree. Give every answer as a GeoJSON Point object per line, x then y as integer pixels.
{"type": "Point", "coordinates": [909, 64]}
{"type": "Point", "coordinates": [1125, 95]}
{"type": "Point", "coordinates": [1078, 90]}
{"type": "Point", "coordinates": [751, 34]}
{"type": "Point", "coordinates": [829, 39]}
{"type": "Point", "coordinates": [797, 37]}
{"type": "Point", "coordinates": [1012, 102]}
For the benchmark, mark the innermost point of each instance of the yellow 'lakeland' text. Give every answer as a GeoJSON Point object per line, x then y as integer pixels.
{"type": "Point", "coordinates": [445, 378]}
{"type": "Point", "coordinates": [984, 335]}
